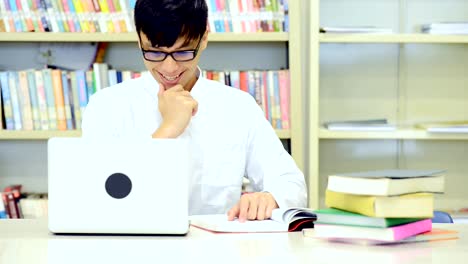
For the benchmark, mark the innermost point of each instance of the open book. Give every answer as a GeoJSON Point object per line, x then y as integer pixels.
{"type": "Point", "coordinates": [282, 220]}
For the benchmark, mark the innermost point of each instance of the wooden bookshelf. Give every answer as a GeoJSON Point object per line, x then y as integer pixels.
{"type": "Point", "coordinates": [392, 38]}
{"type": "Point", "coordinates": [132, 37]}
{"type": "Point", "coordinates": [43, 135]}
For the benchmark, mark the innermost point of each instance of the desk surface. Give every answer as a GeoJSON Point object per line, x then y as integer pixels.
{"type": "Point", "coordinates": [28, 241]}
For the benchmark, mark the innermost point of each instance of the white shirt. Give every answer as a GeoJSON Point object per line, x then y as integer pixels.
{"type": "Point", "coordinates": [229, 134]}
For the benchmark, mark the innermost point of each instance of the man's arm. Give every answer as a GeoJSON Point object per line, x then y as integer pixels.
{"type": "Point", "coordinates": [273, 173]}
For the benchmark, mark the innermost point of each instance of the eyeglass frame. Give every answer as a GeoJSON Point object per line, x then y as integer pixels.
{"type": "Point", "coordinates": [193, 51]}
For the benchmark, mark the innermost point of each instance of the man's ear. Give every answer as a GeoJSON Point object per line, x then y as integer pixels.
{"type": "Point", "coordinates": [208, 26]}
{"type": "Point", "coordinates": [204, 39]}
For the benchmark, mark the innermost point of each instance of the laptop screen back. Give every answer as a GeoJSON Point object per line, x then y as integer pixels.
{"type": "Point", "coordinates": [118, 187]}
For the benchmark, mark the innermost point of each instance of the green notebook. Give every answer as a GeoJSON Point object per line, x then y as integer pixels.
{"type": "Point", "coordinates": [340, 217]}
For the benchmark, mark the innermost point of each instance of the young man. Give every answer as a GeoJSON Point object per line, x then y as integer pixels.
{"type": "Point", "coordinates": [229, 133]}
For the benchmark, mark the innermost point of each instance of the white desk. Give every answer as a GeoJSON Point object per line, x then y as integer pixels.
{"type": "Point", "coordinates": [28, 241]}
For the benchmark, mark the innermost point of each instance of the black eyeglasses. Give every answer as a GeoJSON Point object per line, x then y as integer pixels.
{"type": "Point", "coordinates": [180, 55]}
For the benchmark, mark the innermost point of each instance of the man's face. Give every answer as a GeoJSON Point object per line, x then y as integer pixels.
{"type": "Point", "coordinates": [170, 72]}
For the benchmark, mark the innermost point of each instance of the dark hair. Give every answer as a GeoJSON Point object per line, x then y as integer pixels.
{"type": "Point", "coordinates": [164, 21]}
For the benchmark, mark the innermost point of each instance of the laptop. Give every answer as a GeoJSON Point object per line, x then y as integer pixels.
{"type": "Point", "coordinates": [118, 187]}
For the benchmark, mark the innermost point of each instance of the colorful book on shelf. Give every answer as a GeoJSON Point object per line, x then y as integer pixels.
{"type": "Point", "coordinates": [282, 220]}
{"type": "Point", "coordinates": [356, 29]}
{"type": "Point", "coordinates": [436, 234]}
{"type": "Point", "coordinates": [360, 125]}
{"type": "Point", "coordinates": [340, 217]}
{"type": "Point", "coordinates": [6, 101]}
{"type": "Point", "coordinates": [417, 205]}
{"type": "Point", "coordinates": [388, 182]}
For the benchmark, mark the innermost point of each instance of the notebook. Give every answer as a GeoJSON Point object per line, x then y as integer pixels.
{"type": "Point", "coordinates": [118, 187]}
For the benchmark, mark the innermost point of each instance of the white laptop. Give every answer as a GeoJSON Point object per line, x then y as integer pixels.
{"type": "Point", "coordinates": [118, 187]}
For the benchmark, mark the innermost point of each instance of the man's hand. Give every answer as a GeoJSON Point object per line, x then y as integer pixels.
{"type": "Point", "coordinates": [253, 206]}
{"type": "Point", "coordinates": [177, 107]}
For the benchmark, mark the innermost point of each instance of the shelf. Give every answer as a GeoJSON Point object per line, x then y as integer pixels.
{"type": "Point", "coordinates": [132, 37]}
{"type": "Point", "coordinates": [35, 135]}
{"type": "Point", "coordinates": [42, 135]}
{"type": "Point", "coordinates": [393, 38]}
{"type": "Point", "coordinates": [398, 134]}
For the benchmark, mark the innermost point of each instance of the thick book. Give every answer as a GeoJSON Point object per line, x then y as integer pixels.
{"type": "Point", "coordinates": [395, 233]}
{"type": "Point", "coordinates": [282, 220]}
{"type": "Point", "coordinates": [436, 234]}
{"type": "Point", "coordinates": [417, 205]}
{"type": "Point", "coordinates": [340, 217]}
{"type": "Point", "coordinates": [388, 182]}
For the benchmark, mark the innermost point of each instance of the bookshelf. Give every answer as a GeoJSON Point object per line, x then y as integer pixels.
{"type": "Point", "coordinates": [406, 77]}
{"type": "Point", "coordinates": [35, 135]}
{"type": "Point", "coordinates": [280, 50]}
{"type": "Point", "coordinates": [132, 37]}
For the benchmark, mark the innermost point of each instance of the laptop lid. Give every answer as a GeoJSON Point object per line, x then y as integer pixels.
{"type": "Point", "coordinates": [118, 187]}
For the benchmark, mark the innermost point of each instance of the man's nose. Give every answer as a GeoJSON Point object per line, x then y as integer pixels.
{"type": "Point", "coordinates": [169, 64]}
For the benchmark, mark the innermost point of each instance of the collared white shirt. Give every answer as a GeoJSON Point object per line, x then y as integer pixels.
{"type": "Point", "coordinates": [229, 134]}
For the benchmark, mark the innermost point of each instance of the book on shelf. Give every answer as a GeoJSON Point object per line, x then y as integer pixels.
{"type": "Point", "coordinates": [340, 217]}
{"type": "Point", "coordinates": [454, 126]}
{"type": "Point", "coordinates": [390, 234]}
{"type": "Point", "coordinates": [356, 29]}
{"type": "Point", "coordinates": [282, 220]}
{"type": "Point", "coordinates": [436, 234]}
{"type": "Point", "coordinates": [454, 28]}
{"type": "Point", "coordinates": [417, 205]}
{"type": "Point", "coordinates": [388, 182]}
{"type": "Point", "coordinates": [360, 125]}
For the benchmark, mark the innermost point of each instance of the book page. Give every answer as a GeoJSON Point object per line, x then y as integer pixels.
{"type": "Point", "coordinates": [220, 223]}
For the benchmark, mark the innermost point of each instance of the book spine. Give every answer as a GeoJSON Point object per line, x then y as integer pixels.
{"type": "Point", "coordinates": [25, 101]}
{"type": "Point", "coordinates": [42, 101]}
{"type": "Point", "coordinates": [34, 103]}
{"type": "Point", "coordinates": [408, 230]}
{"type": "Point", "coordinates": [59, 99]}
{"type": "Point", "coordinates": [7, 105]}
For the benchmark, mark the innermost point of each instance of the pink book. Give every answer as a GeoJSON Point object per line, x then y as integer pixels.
{"type": "Point", "coordinates": [394, 233]}
{"type": "Point", "coordinates": [284, 89]}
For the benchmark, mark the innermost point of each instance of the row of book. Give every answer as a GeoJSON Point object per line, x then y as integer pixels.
{"type": "Point", "coordinates": [67, 16]}
{"type": "Point", "coordinates": [379, 207]}
{"type": "Point", "coordinates": [382, 124]}
{"type": "Point", "coordinates": [53, 99]}
{"type": "Point", "coordinates": [16, 204]}
{"type": "Point", "coordinates": [271, 90]}
{"type": "Point", "coordinates": [115, 16]}
{"type": "Point", "coordinates": [243, 16]}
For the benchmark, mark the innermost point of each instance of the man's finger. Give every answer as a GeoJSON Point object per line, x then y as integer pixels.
{"type": "Point", "coordinates": [195, 108]}
{"type": "Point", "coordinates": [244, 204]}
{"type": "Point", "coordinates": [253, 207]}
{"type": "Point", "coordinates": [234, 212]}
{"type": "Point", "coordinates": [269, 208]}
{"type": "Point", "coordinates": [261, 211]}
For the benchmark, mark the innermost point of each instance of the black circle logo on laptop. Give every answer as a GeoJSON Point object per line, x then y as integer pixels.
{"type": "Point", "coordinates": [118, 185]}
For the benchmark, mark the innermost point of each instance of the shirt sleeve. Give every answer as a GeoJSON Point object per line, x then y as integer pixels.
{"type": "Point", "coordinates": [269, 166]}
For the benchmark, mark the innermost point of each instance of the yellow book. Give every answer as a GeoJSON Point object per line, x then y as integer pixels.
{"type": "Point", "coordinates": [419, 205]}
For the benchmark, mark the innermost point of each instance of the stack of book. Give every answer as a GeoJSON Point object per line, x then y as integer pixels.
{"type": "Point", "coordinates": [379, 207]}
